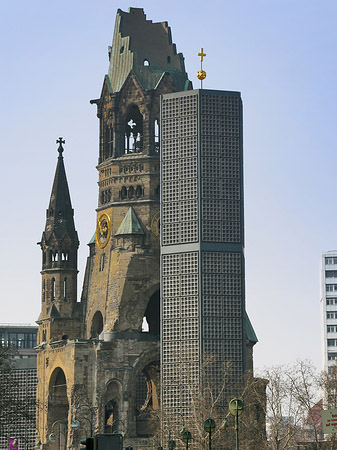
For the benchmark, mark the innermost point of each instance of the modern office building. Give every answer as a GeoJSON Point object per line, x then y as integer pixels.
{"type": "Point", "coordinates": [21, 424]}
{"type": "Point", "coordinates": [329, 308]}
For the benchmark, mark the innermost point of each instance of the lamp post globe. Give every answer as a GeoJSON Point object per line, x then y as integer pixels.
{"type": "Point", "coordinates": [171, 444]}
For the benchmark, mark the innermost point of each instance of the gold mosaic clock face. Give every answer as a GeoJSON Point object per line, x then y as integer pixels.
{"type": "Point", "coordinates": [103, 230]}
{"type": "Point", "coordinates": [155, 225]}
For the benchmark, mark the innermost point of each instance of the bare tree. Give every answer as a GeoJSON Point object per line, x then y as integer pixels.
{"type": "Point", "coordinates": [15, 406]}
{"type": "Point", "coordinates": [209, 398]}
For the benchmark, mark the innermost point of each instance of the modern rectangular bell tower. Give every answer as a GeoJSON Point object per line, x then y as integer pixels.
{"type": "Point", "coordinates": [202, 242]}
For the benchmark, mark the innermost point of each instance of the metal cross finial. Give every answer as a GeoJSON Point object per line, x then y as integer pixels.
{"type": "Point", "coordinates": [60, 141]}
{"type": "Point", "coordinates": [201, 73]}
{"type": "Point", "coordinates": [201, 54]}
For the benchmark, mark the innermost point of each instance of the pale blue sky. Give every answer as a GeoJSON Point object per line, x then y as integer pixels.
{"type": "Point", "coordinates": [281, 54]}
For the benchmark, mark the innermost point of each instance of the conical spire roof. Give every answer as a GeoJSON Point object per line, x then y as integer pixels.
{"type": "Point", "coordinates": [60, 214]}
{"type": "Point", "coordinates": [130, 224]}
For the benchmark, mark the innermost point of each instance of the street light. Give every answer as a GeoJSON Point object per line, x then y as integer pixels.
{"type": "Point", "coordinates": [52, 436]}
{"type": "Point", "coordinates": [171, 444]}
{"type": "Point", "coordinates": [186, 437]}
{"type": "Point", "coordinates": [116, 431]}
{"type": "Point", "coordinates": [209, 426]}
{"type": "Point", "coordinates": [75, 424]}
{"type": "Point", "coordinates": [236, 408]}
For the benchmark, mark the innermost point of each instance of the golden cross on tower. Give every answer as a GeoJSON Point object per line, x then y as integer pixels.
{"type": "Point", "coordinates": [201, 54]}
{"type": "Point", "coordinates": [201, 73]}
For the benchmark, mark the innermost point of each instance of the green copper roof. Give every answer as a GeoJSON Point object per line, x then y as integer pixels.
{"type": "Point", "coordinates": [93, 239]}
{"type": "Point", "coordinates": [250, 333]}
{"type": "Point", "coordinates": [146, 49]}
{"type": "Point", "coordinates": [130, 224]}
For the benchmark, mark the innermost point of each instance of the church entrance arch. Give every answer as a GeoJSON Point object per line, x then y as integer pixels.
{"type": "Point", "coordinates": [58, 407]}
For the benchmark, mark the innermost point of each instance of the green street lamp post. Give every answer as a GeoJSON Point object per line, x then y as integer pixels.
{"type": "Point", "coordinates": [209, 426]}
{"type": "Point", "coordinates": [171, 444]}
{"type": "Point", "coordinates": [186, 437]}
{"type": "Point", "coordinates": [75, 424]}
{"type": "Point", "coordinates": [52, 436]}
{"type": "Point", "coordinates": [236, 408]}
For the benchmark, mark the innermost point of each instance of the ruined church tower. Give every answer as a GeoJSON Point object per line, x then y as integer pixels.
{"type": "Point", "coordinates": [98, 358]}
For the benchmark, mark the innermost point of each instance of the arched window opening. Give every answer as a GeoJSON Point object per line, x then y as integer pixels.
{"type": "Point", "coordinates": [156, 136]}
{"type": "Point", "coordinates": [131, 192]}
{"type": "Point", "coordinates": [52, 289]}
{"type": "Point", "coordinates": [139, 191]}
{"type": "Point", "coordinates": [65, 289]}
{"type": "Point", "coordinates": [58, 383]}
{"type": "Point", "coordinates": [102, 262]}
{"type": "Point", "coordinates": [64, 256]}
{"type": "Point", "coordinates": [54, 256]}
{"type": "Point", "coordinates": [96, 325]}
{"type": "Point", "coordinates": [145, 326]}
{"type": "Point", "coordinates": [111, 417]}
{"type": "Point", "coordinates": [133, 130]}
{"type": "Point", "coordinates": [123, 193]}
{"type": "Point", "coordinates": [168, 59]}
{"type": "Point", "coordinates": [146, 62]}
{"type": "Point", "coordinates": [157, 191]}
{"type": "Point", "coordinates": [143, 396]}
{"type": "Point", "coordinates": [44, 336]}
{"type": "Point", "coordinates": [108, 142]}
{"type": "Point", "coordinates": [146, 399]}
{"type": "Point", "coordinates": [44, 258]}
{"type": "Point", "coordinates": [152, 314]}
{"type": "Point", "coordinates": [111, 414]}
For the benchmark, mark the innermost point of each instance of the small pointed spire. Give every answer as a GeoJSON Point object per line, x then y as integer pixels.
{"type": "Point", "coordinates": [60, 214]}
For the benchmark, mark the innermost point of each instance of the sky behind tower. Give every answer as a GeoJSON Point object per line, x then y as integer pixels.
{"type": "Point", "coordinates": [280, 54]}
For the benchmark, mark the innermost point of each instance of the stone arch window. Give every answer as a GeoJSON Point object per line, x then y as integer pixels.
{"type": "Point", "coordinates": [123, 193]}
{"type": "Point", "coordinates": [58, 383]}
{"type": "Point", "coordinates": [139, 191]}
{"type": "Point", "coordinates": [133, 130]}
{"type": "Point", "coordinates": [146, 399]}
{"type": "Point", "coordinates": [112, 423]}
{"type": "Point", "coordinates": [52, 289]}
{"type": "Point", "coordinates": [146, 62]}
{"type": "Point", "coordinates": [169, 60]}
{"type": "Point", "coordinates": [152, 314]}
{"type": "Point", "coordinates": [44, 336]}
{"type": "Point", "coordinates": [64, 256]}
{"type": "Point", "coordinates": [156, 136]}
{"type": "Point", "coordinates": [65, 289]}
{"type": "Point", "coordinates": [108, 142]}
{"type": "Point", "coordinates": [131, 192]}
{"type": "Point", "coordinates": [96, 325]}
